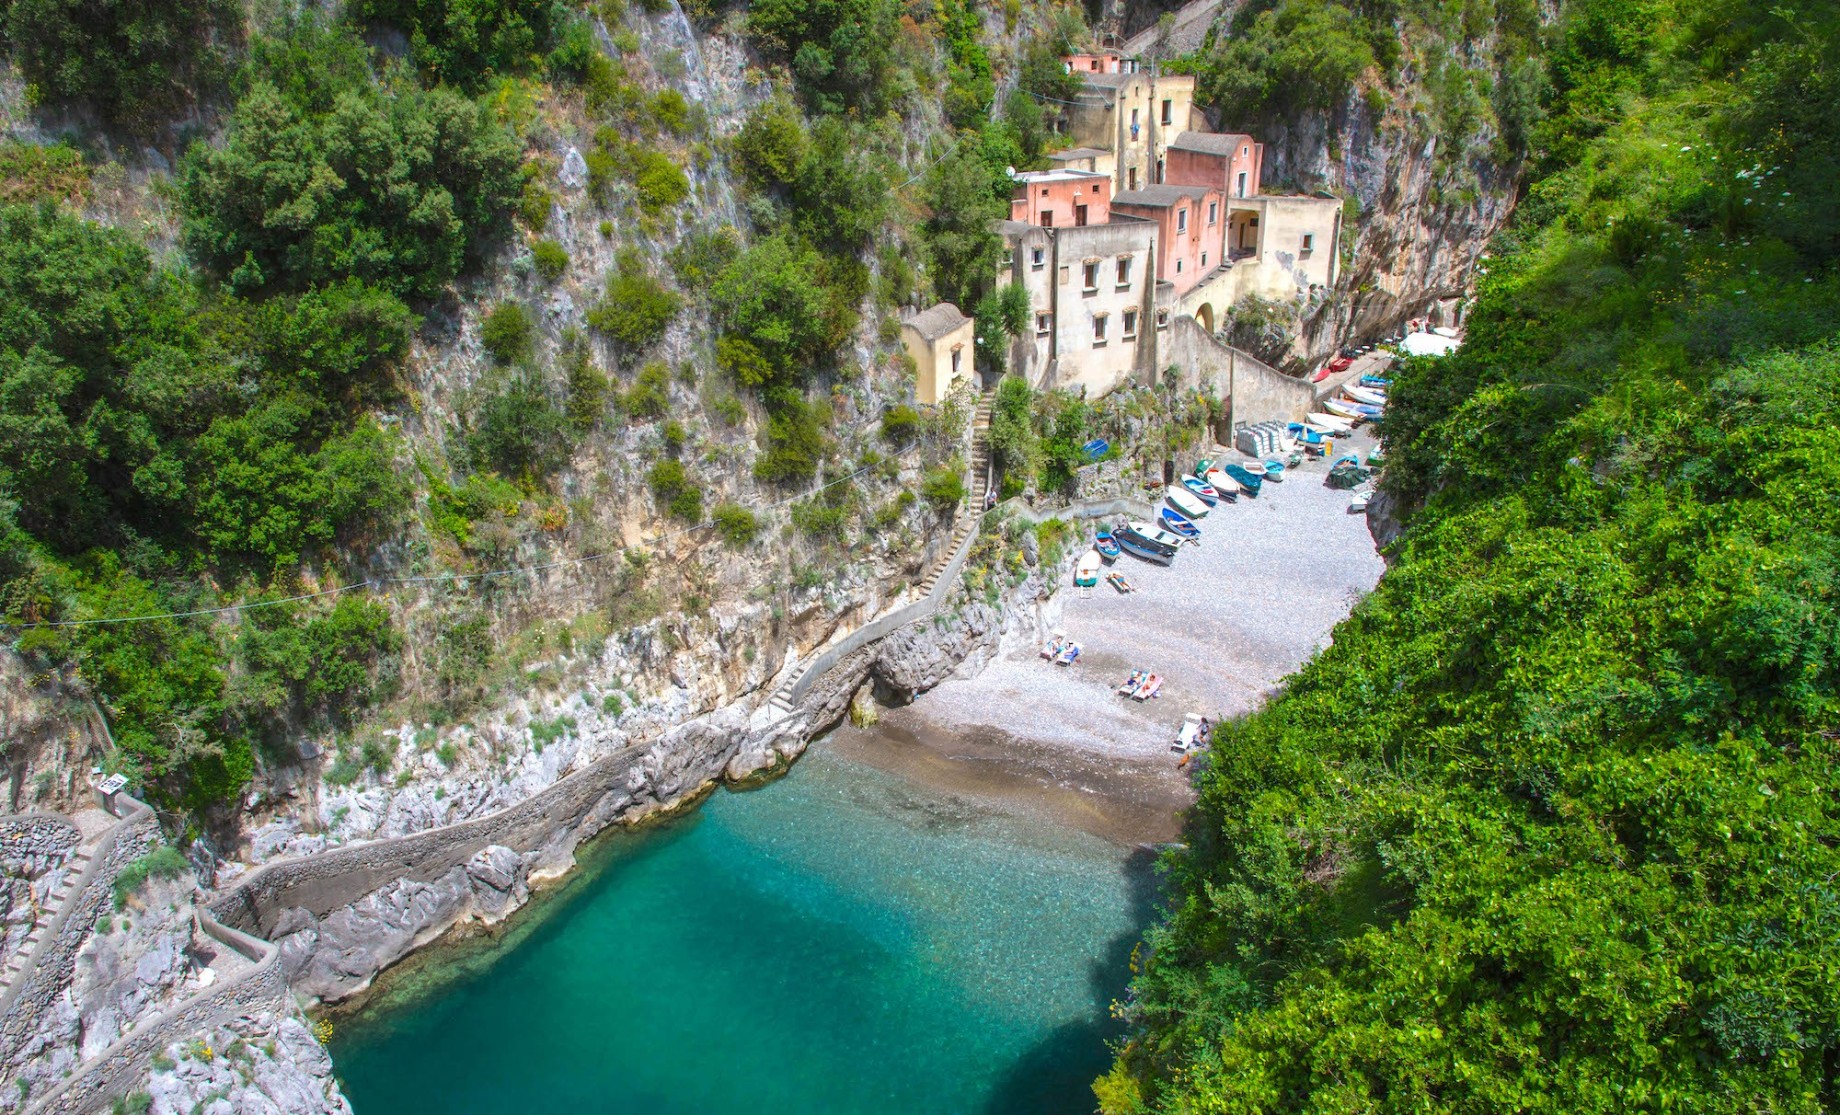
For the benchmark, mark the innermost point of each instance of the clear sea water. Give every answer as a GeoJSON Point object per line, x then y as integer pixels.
{"type": "Point", "coordinates": [839, 941]}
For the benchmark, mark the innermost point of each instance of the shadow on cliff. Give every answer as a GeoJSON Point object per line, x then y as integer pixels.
{"type": "Point", "coordinates": [1055, 1076]}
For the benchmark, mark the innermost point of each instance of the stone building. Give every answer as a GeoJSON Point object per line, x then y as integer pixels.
{"type": "Point", "coordinates": [942, 342]}
{"type": "Point", "coordinates": [1134, 115]}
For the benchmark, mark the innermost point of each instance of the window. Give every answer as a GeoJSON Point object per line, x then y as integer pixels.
{"type": "Point", "coordinates": [1009, 257]}
{"type": "Point", "coordinates": [1243, 151]}
{"type": "Point", "coordinates": [1242, 184]}
{"type": "Point", "coordinates": [1043, 323]}
{"type": "Point", "coordinates": [1047, 218]}
{"type": "Point", "coordinates": [1130, 324]}
{"type": "Point", "coordinates": [1134, 119]}
{"type": "Point", "coordinates": [1309, 241]}
{"type": "Point", "coordinates": [1133, 182]}
{"type": "Point", "coordinates": [1168, 111]}
{"type": "Point", "coordinates": [1124, 270]}
{"type": "Point", "coordinates": [1092, 275]}
{"type": "Point", "coordinates": [1179, 266]}
{"type": "Point", "coordinates": [1044, 191]}
{"type": "Point", "coordinates": [1099, 323]}
{"type": "Point", "coordinates": [1036, 255]}
{"type": "Point", "coordinates": [1079, 215]}
{"type": "Point", "coordinates": [1182, 219]}
{"type": "Point", "coordinates": [1162, 319]}
{"type": "Point", "coordinates": [1204, 261]}
{"type": "Point", "coordinates": [1213, 213]}
{"type": "Point", "coordinates": [1095, 65]}
{"type": "Point", "coordinates": [957, 358]}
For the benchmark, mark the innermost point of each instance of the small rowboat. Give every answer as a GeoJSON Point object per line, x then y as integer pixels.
{"type": "Point", "coordinates": [1131, 683]}
{"type": "Point", "coordinates": [1117, 581]}
{"type": "Point", "coordinates": [1245, 479]}
{"type": "Point", "coordinates": [1325, 421]}
{"type": "Point", "coordinates": [1106, 545]}
{"type": "Point", "coordinates": [1086, 573]}
{"type": "Point", "coordinates": [1094, 449]}
{"type": "Point", "coordinates": [1357, 503]}
{"type": "Point", "coordinates": [1256, 468]}
{"type": "Point", "coordinates": [1365, 395]}
{"type": "Point", "coordinates": [1202, 489]}
{"type": "Point", "coordinates": [1186, 502]}
{"type": "Point", "coordinates": [1224, 486]}
{"type": "Point", "coordinates": [1068, 655]}
{"type": "Point", "coordinates": [1203, 466]}
{"type": "Point", "coordinates": [1274, 469]}
{"type": "Point", "coordinates": [1177, 523]}
{"type": "Point", "coordinates": [1376, 381]}
{"type": "Point", "coordinates": [1148, 688]}
{"type": "Point", "coordinates": [1344, 409]}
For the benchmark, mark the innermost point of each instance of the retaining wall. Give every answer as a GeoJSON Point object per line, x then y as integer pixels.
{"type": "Point", "coordinates": [48, 969]}
{"type": "Point", "coordinates": [125, 1065]}
{"type": "Point", "coordinates": [340, 876]}
{"type": "Point", "coordinates": [1259, 392]}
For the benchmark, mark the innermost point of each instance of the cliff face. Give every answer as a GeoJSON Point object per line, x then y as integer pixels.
{"type": "Point", "coordinates": [1423, 216]}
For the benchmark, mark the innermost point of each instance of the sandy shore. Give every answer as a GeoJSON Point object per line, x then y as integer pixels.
{"type": "Point", "coordinates": [1236, 613]}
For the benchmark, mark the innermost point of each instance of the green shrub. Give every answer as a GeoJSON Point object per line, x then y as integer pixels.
{"type": "Point", "coordinates": [674, 436]}
{"type": "Point", "coordinates": [661, 183]}
{"type": "Point", "coordinates": [507, 332]}
{"type": "Point", "coordinates": [795, 443]}
{"type": "Point", "coordinates": [737, 526]}
{"type": "Point", "coordinates": [943, 488]}
{"type": "Point", "coordinates": [589, 388]}
{"type": "Point", "coordinates": [464, 42]}
{"type": "Point", "coordinates": [728, 409]}
{"type": "Point", "coordinates": [31, 171]}
{"type": "Point", "coordinates": [517, 429]}
{"type": "Point", "coordinates": [650, 396]}
{"type": "Point", "coordinates": [545, 732]}
{"type": "Point", "coordinates": [670, 112]}
{"type": "Point", "coordinates": [612, 705]}
{"type": "Point", "coordinates": [675, 490]}
{"type": "Point", "coordinates": [551, 259]}
{"type": "Point", "coordinates": [637, 308]}
{"type": "Point", "coordinates": [701, 256]}
{"type": "Point", "coordinates": [900, 424]}
{"type": "Point", "coordinates": [163, 862]}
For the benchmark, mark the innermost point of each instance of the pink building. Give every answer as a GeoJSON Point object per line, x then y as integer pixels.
{"type": "Point", "coordinates": [1191, 229]}
{"type": "Point", "coordinates": [1229, 163]}
{"type": "Point", "coordinates": [1105, 63]}
{"type": "Point", "coordinates": [1061, 198]}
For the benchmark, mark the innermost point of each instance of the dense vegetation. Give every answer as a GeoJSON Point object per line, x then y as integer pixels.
{"type": "Point", "coordinates": [1551, 826]}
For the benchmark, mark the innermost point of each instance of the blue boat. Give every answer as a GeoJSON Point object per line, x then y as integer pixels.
{"type": "Point", "coordinates": [1274, 469]}
{"type": "Point", "coordinates": [1368, 410]}
{"type": "Point", "coordinates": [1303, 434]}
{"type": "Point", "coordinates": [1147, 542]}
{"type": "Point", "coordinates": [1203, 490]}
{"type": "Point", "coordinates": [1375, 381]}
{"type": "Point", "coordinates": [1106, 545]}
{"type": "Point", "coordinates": [1246, 479]}
{"type": "Point", "coordinates": [1177, 523]}
{"type": "Point", "coordinates": [1096, 448]}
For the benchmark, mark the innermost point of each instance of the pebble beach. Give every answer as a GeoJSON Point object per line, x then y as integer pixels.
{"type": "Point", "coordinates": [1241, 608]}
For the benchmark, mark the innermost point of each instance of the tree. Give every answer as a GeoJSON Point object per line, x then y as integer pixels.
{"type": "Point", "coordinates": [841, 51]}
{"type": "Point", "coordinates": [507, 332]}
{"type": "Point", "coordinates": [392, 188]}
{"type": "Point", "coordinates": [464, 42]}
{"type": "Point", "coordinates": [963, 199]}
{"type": "Point", "coordinates": [637, 308]}
{"type": "Point", "coordinates": [138, 63]}
{"type": "Point", "coordinates": [771, 145]}
{"type": "Point", "coordinates": [773, 298]}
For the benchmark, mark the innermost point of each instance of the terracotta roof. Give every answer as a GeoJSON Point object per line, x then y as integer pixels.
{"type": "Point", "coordinates": [936, 321]}
{"type": "Point", "coordinates": [1211, 143]}
{"type": "Point", "coordinates": [1160, 196]}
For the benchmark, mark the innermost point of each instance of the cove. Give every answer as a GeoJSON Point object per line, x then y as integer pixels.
{"type": "Point", "coordinates": [841, 940]}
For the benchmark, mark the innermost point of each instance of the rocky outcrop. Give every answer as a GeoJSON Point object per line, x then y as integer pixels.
{"type": "Point", "coordinates": [266, 1064]}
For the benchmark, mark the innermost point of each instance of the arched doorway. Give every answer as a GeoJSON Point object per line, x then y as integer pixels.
{"type": "Point", "coordinates": [1205, 315]}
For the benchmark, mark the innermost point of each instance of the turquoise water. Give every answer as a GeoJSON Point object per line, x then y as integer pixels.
{"type": "Point", "coordinates": [839, 941]}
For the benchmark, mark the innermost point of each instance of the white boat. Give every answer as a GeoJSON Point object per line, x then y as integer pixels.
{"type": "Point", "coordinates": [1256, 468]}
{"type": "Point", "coordinates": [1326, 431]}
{"type": "Point", "coordinates": [1357, 503]}
{"type": "Point", "coordinates": [1365, 395]}
{"type": "Point", "coordinates": [1185, 501]}
{"type": "Point", "coordinates": [1222, 483]}
{"type": "Point", "coordinates": [1086, 574]}
{"type": "Point", "coordinates": [1148, 542]}
{"type": "Point", "coordinates": [1345, 410]}
{"type": "Point", "coordinates": [1333, 422]}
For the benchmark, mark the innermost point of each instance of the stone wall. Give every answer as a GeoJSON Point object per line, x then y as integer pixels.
{"type": "Point", "coordinates": [124, 1065]}
{"type": "Point", "coordinates": [47, 972]}
{"type": "Point", "coordinates": [34, 849]}
{"type": "Point", "coordinates": [1260, 393]}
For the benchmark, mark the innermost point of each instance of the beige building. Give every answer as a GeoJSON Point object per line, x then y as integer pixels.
{"type": "Point", "coordinates": [1091, 295]}
{"type": "Point", "coordinates": [1136, 116]}
{"type": "Point", "coordinates": [1279, 248]}
{"type": "Point", "coordinates": [942, 342]}
{"type": "Point", "coordinates": [1094, 159]}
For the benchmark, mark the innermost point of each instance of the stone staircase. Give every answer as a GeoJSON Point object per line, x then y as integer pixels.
{"type": "Point", "coordinates": [979, 486]}
{"type": "Point", "coordinates": [977, 490]}
{"type": "Point", "coordinates": [73, 871]}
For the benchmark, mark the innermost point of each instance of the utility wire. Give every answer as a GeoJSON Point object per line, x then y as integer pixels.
{"type": "Point", "coordinates": [379, 583]}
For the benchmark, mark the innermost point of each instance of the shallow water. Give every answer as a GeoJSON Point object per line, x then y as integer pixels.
{"type": "Point", "coordinates": [839, 941]}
